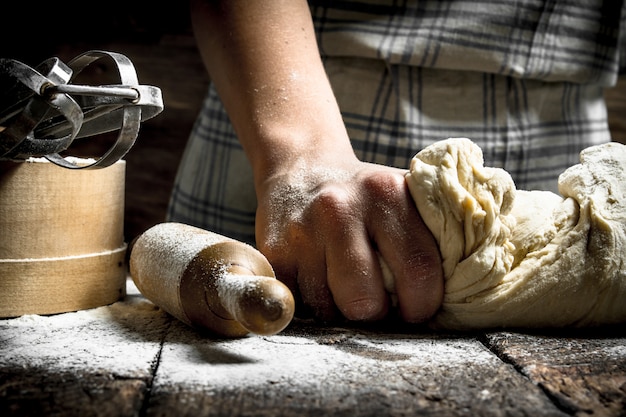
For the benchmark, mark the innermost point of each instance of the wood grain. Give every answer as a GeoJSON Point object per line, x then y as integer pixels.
{"type": "Point", "coordinates": [583, 374]}
{"type": "Point", "coordinates": [62, 244]}
{"type": "Point", "coordinates": [37, 392]}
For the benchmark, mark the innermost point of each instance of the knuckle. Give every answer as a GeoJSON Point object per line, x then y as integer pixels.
{"type": "Point", "coordinates": [333, 199]}
{"type": "Point", "coordinates": [385, 185]}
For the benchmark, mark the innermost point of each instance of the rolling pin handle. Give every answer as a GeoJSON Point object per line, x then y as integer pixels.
{"type": "Point", "coordinates": [209, 281]}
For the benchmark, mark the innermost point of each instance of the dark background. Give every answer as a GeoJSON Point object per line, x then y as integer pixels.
{"type": "Point", "coordinates": [158, 39]}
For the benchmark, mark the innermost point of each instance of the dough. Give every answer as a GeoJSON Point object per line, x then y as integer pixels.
{"type": "Point", "coordinates": [515, 258]}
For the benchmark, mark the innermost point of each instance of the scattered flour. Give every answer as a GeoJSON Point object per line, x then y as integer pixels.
{"type": "Point", "coordinates": [64, 258]}
{"type": "Point", "coordinates": [71, 159]}
{"type": "Point", "coordinates": [291, 198]}
{"type": "Point", "coordinates": [122, 339]}
{"type": "Point", "coordinates": [230, 287]}
{"type": "Point", "coordinates": [290, 358]}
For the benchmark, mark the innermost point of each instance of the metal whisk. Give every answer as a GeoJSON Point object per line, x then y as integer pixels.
{"type": "Point", "coordinates": [42, 111]}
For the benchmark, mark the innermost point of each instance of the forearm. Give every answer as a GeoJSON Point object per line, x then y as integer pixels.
{"type": "Point", "coordinates": [263, 58]}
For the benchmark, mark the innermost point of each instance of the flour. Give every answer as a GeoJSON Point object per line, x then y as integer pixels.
{"type": "Point", "coordinates": [126, 338]}
{"type": "Point", "coordinates": [122, 339]}
{"type": "Point", "coordinates": [290, 198]}
{"type": "Point", "coordinates": [300, 359]}
{"type": "Point", "coordinates": [231, 288]}
{"type": "Point", "coordinates": [65, 258]}
{"type": "Point", "coordinates": [71, 159]}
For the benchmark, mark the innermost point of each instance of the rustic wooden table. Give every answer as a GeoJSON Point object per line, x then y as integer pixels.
{"type": "Point", "coordinates": [132, 359]}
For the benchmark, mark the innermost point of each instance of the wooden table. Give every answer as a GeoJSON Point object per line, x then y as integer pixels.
{"type": "Point", "coordinates": [132, 359]}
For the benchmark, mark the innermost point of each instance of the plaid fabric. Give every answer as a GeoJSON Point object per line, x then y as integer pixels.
{"type": "Point", "coordinates": [524, 81]}
{"type": "Point", "coordinates": [549, 40]}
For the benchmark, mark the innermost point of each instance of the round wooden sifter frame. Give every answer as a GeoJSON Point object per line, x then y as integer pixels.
{"type": "Point", "coordinates": [61, 237]}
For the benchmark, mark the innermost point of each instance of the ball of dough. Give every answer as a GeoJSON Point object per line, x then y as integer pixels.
{"type": "Point", "coordinates": [516, 258]}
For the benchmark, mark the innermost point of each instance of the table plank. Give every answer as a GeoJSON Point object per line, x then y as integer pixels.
{"type": "Point", "coordinates": [583, 373]}
{"type": "Point", "coordinates": [96, 362]}
{"type": "Point", "coordinates": [41, 392]}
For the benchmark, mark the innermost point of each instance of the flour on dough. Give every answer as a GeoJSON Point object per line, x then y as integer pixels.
{"type": "Point", "coordinates": [515, 258]}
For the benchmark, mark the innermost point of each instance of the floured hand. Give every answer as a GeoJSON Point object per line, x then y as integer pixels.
{"type": "Point", "coordinates": [323, 229]}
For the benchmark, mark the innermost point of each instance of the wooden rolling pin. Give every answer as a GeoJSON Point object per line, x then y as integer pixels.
{"type": "Point", "coordinates": [209, 281]}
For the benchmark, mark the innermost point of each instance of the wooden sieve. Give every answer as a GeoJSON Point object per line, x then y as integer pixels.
{"type": "Point", "coordinates": [61, 237]}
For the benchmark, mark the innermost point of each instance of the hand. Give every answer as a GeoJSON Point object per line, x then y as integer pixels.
{"type": "Point", "coordinates": [323, 229]}
{"type": "Point", "coordinates": [323, 216]}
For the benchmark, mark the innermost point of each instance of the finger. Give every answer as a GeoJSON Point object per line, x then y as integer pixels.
{"type": "Point", "coordinates": [313, 287]}
{"type": "Point", "coordinates": [302, 268]}
{"type": "Point", "coordinates": [419, 284]}
{"type": "Point", "coordinates": [353, 274]}
{"type": "Point", "coordinates": [355, 280]}
{"type": "Point", "coordinates": [411, 254]}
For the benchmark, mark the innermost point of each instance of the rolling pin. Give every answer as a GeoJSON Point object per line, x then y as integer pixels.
{"type": "Point", "coordinates": [209, 281]}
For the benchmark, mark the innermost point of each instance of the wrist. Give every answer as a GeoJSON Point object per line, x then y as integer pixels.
{"type": "Point", "coordinates": [279, 150]}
